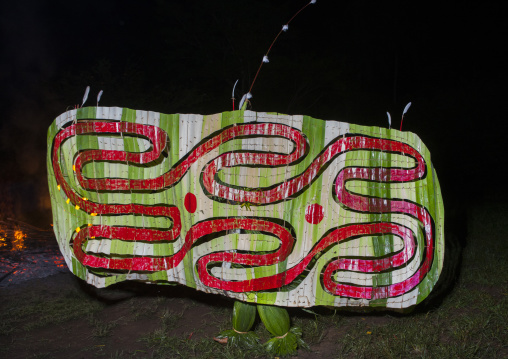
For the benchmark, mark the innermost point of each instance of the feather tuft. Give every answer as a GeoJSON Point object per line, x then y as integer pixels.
{"type": "Point", "coordinates": [406, 108]}
{"type": "Point", "coordinates": [265, 59]}
{"type": "Point", "coordinates": [244, 98]}
{"type": "Point", "coordinates": [99, 97]}
{"type": "Point", "coordinates": [285, 27]}
{"type": "Point", "coordinates": [312, 1]}
{"type": "Point", "coordinates": [233, 94]}
{"type": "Point", "coordinates": [85, 97]}
{"type": "Point", "coordinates": [389, 119]}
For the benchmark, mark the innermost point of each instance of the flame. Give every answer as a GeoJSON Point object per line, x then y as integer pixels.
{"type": "Point", "coordinates": [2, 242]}
{"type": "Point", "coordinates": [18, 242]}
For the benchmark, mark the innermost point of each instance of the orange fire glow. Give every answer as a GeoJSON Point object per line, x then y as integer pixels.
{"type": "Point", "coordinates": [18, 242]}
{"type": "Point", "coordinates": [3, 241]}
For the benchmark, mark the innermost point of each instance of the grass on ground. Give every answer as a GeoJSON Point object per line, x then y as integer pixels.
{"type": "Point", "coordinates": [469, 322]}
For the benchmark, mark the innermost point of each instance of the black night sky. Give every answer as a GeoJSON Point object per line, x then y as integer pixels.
{"type": "Point", "coordinates": [348, 61]}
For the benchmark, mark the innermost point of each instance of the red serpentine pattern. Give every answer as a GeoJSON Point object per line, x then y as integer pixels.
{"type": "Point", "coordinates": [158, 139]}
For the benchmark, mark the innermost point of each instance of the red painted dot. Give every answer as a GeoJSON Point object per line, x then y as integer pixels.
{"type": "Point", "coordinates": [190, 202]}
{"type": "Point", "coordinates": [314, 213]}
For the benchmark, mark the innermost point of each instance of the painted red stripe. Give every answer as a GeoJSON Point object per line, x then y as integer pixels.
{"type": "Point", "coordinates": [357, 202]}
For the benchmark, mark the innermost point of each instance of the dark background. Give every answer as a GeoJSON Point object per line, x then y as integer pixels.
{"type": "Point", "coordinates": [348, 61]}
